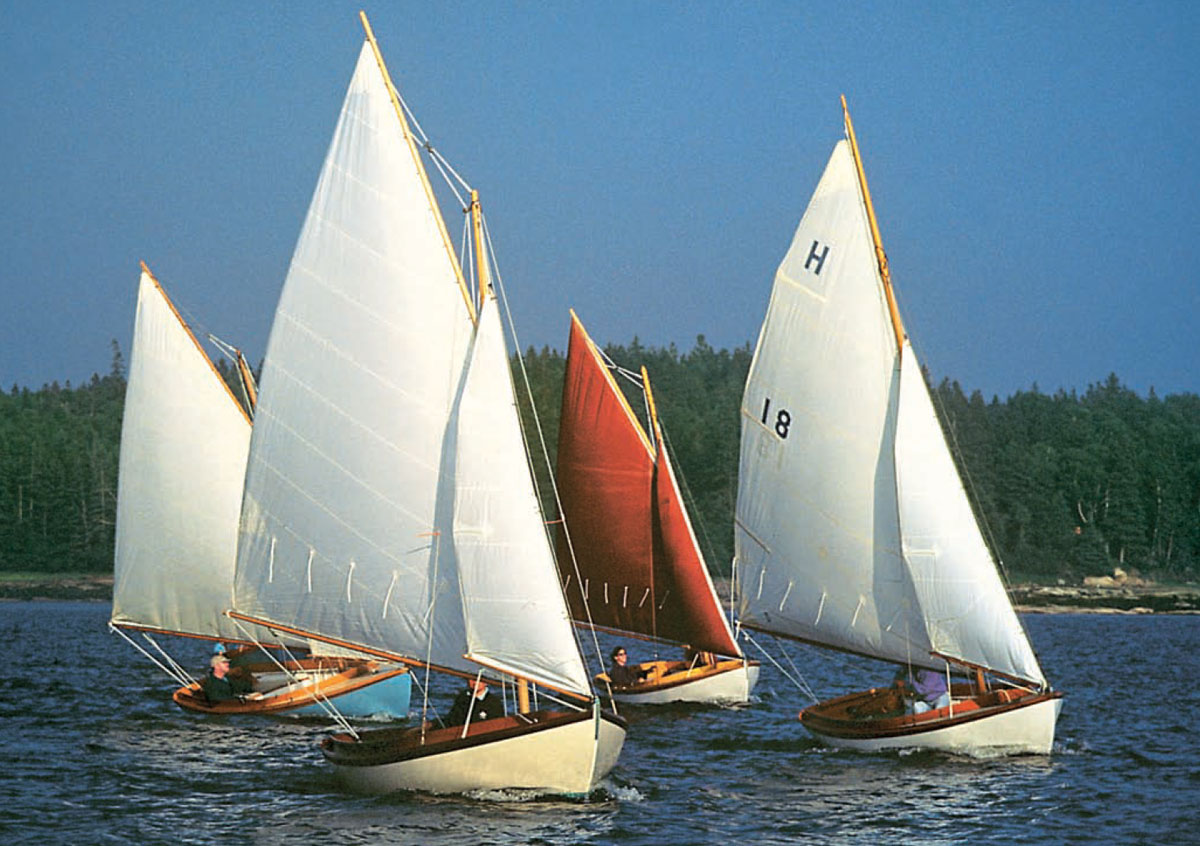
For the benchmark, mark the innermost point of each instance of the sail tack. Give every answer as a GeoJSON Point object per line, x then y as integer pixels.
{"type": "Point", "coordinates": [849, 508]}
{"type": "Point", "coordinates": [637, 556]}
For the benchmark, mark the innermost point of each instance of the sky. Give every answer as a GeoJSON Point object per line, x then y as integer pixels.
{"type": "Point", "coordinates": [1034, 166]}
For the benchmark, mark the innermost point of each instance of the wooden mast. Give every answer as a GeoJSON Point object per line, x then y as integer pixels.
{"type": "Point", "coordinates": [485, 279]}
{"type": "Point", "coordinates": [659, 446]}
{"type": "Point", "coordinates": [880, 256]}
{"type": "Point", "coordinates": [412, 146]}
{"type": "Point", "coordinates": [247, 381]}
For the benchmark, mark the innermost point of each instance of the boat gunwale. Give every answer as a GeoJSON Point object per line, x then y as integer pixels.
{"type": "Point", "coordinates": [907, 725]}
{"type": "Point", "coordinates": [191, 697]}
{"type": "Point", "coordinates": [381, 747]}
{"type": "Point", "coordinates": [678, 678]}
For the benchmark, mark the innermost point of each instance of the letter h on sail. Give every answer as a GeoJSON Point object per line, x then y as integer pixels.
{"type": "Point", "coordinates": [819, 259]}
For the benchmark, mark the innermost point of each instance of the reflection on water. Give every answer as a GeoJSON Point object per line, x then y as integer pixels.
{"type": "Point", "coordinates": [96, 752]}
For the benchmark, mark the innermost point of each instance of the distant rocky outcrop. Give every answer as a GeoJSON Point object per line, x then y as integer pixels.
{"type": "Point", "coordinates": [1121, 592]}
{"type": "Point", "coordinates": [93, 587]}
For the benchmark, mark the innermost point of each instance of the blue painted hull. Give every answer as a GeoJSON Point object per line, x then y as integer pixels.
{"type": "Point", "coordinates": [386, 698]}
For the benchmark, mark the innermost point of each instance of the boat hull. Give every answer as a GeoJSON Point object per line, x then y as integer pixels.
{"type": "Point", "coordinates": [549, 751]}
{"type": "Point", "coordinates": [724, 683]}
{"type": "Point", "coordinates": [1002, 722]}
{"type": "Point", "coordinates": [355, 688]}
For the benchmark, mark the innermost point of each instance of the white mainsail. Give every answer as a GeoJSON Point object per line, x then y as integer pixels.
{"type": "Point", "coordinates": [384, 458]}
{"type": "Point", "coordinates": [852, 528]}
{"type": "Point", "coordinates": [184, 441]}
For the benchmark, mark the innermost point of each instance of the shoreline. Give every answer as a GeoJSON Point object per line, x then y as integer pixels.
{"type": "Point", "coordinates": [89, 587]}
{"type": "Point", "coordinates": [1027, 598]}
{"type": "Point", "coordinates": [1120, 599]}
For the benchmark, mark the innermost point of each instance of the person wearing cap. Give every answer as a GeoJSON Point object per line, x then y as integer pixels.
{"type": "Point", "coordinates": [486, 706]}
{"type": "Point", "coordinates": [218, 685]}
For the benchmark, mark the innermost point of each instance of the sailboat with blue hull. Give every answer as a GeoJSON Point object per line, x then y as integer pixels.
{"type": "Point", "coordinates": [184, 443]}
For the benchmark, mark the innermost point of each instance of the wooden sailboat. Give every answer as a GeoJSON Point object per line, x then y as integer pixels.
{"type": "Point", "coordinates": [853, 530]}
{"type": "Point", "coordinates": [184, 442]}
{"type": "Point", "coordinates": [389, 506]}
{"type": "Point", "coordinates": [627, 554]}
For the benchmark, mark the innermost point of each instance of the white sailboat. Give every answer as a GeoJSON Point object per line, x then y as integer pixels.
{"type": "Point", "coordinates": [853, 530]}
{"type": "Point", "coordinates": [184, 442]}
{"type": "Point", "coordinates": [627, 554]}
{"type": "Point", "coordinates": [389, 505]}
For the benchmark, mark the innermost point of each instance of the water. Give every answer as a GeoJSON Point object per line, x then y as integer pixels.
{"type": "Point", "coordinates": [94, 752]}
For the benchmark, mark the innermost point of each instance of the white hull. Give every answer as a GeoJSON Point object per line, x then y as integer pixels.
{"type": "Point", "coordinates": [727, 687]}
{"type": "Point", "coordinates": [570, 758]}
{"type": "Point", "coordinates": [1026, 730]}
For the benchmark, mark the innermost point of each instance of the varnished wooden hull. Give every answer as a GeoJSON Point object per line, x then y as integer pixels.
{"type": "Point", "coordinates": [356, 688]}
{"type": "Point", "coordinates": [560, 752]}
{"type": "Point", "coordinates": [724, 683]}
{"type": "Point", "coordinates": [1001, 722]}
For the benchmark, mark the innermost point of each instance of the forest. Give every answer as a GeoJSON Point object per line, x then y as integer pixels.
{"type": "Point", "coordinates": [1067, 485]}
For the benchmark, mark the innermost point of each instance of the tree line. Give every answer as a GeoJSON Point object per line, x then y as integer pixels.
{"type": "Point", "coordinates": [1067, 485]}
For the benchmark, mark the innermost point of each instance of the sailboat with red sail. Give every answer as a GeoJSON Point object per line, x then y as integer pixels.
{"type": "Point", "coordinates": [627, 552]}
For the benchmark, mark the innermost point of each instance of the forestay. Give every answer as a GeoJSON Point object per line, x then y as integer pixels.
{"type": "Point", "coordinates": [841, 457]}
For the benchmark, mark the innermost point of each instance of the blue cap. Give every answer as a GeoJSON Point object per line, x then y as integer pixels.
{"type": "Point", "coordinates": [218, 647]}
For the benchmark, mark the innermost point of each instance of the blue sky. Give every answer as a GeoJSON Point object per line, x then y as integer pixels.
{"type": "Point", "coordinates": [1035, 167]}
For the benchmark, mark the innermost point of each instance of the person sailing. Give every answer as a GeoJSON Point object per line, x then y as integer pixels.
{"type": "Point", "coordinates": [922, 689]}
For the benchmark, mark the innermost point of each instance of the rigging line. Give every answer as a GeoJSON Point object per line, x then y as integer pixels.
{"type": "Point", "coordinates": [233, 354]}
{"type": "Point", "coordinates": [226, 348]}
{"type": "Point", "coordinates": [950, 433]}
{"type": "Point", "coordinates": [170, 660]}
{"type": "Point", "coordinates": [694, 508]}
{"type": "Point", "coordinates": [181, 678]}
{"type": "Point", "coordinates": [442, 163]}
{"type": "Point", "coordinates": [437, 548]}
{"type": "Point", "coordinates": [315, 691]}
{"type": "Point", "coordinates": [442, 167]}
{"type": "Point", "coordinates": [471, 705]}
{"type": "Point", "coordinates": [425, 694]}
{"type": "Point", "coordinates": [466, 258]}
{"type": "Point", "coordinates": [498, 280]}
{"type": "Point", "coordinates": [633, 376]}
{"type": "Point", "coordinates": [797, 679]}
{"type": "Point", "coordinates": [316, 694]}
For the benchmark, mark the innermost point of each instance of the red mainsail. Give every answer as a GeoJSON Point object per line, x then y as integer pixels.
{"type": "Point", "coordinates": [638, 562]}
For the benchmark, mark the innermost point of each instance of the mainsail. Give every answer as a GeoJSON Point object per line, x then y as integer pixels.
{"type": "Point", "coordinates": [383, 463]}
{"type": "Point", "coordinates": [852, 527]}
{"type": "Point", "coordinates": [184, 440]}
{"type": "Point", "coordinates": [631, 542]}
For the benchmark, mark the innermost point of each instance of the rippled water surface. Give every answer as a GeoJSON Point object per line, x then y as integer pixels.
{"type": "Point", "coordinates": [95, 752]}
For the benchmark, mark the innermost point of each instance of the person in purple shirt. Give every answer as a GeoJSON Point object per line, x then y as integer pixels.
{"type": "Point", "coordinates": [923, 690]}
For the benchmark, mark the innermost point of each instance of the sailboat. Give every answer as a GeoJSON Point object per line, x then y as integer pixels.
{"type": "Point", "coordinates": [389, 505]}
{"type": "Point", "coordinates": [853, 529]}
{"type": "Point", "coordinates": [627, 554]}
{"type": "Point", "coordinates": [184, 442]}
